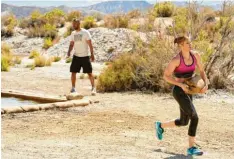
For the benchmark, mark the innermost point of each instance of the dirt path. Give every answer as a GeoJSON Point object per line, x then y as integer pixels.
{"type": "Point", "coordinates": [120, 126]}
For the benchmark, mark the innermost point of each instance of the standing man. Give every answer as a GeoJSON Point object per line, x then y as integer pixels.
{"type": "Point", "coordinates": [81, 41]}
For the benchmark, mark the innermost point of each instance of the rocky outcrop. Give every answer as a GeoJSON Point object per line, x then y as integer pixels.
{"type": "Point", "coordinates": [107, 43]}
{"type": "Point", "coordinates": [21, 44]}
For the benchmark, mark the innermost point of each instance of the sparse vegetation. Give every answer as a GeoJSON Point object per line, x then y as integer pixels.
{"type": "Point", "coordinates": [89, 22]}
{"type": "Point", "coordinates": [68, 32]}
{"type": "Point", "coordinates": [69, 60]}
{"type": "Point", "coordinates": [42, 61]}
{"type": "Point", "coordinates": [140, 70]}
{"type": "Point", "coordinates": [9, 22]}
{"type": "Point", "coordinates": [72, 15]}
{"type": "Point", "coordinates": [47, 43]}
{"type": "Point", "coordinates": [33, 54]}
{"type": "Point", "coordinates": [164, 9]}
{"type": "Point", "coordinates": [116, 21]}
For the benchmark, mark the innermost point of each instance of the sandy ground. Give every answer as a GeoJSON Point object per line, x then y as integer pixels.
{"type": "Point", "coordinates": [120, 126]}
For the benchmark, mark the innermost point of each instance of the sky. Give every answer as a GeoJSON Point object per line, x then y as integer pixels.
{"type": "Point", "coordinates": [73, 3]}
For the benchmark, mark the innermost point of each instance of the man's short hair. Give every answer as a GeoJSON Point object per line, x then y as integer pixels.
{"type": "Point", "coordinates": [76, 20]}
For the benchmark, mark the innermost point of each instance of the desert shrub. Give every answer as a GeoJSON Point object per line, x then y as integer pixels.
{"type": "Point", "coordinates": [55, 58]}
{"type": "Point", "coordinates": [46, 30]}
{"type": "Point", "coordinates": [72, 15]}
{"type": "Point", "coordinates": [55, 17]}
{"type": "Point", "coordinates": [17, 60]}
{"type": "Point", "coordinates": [9, 22]}
{"type": "Point", "coordinates": [47, 43]}
{"type": "Point", "coordinates": [82, 76]}
{"type": "Point", "coordinates": [134, 14]}
{"type": "Point", "coordinates": [88, 22]}
{"type": "Point", "coordinates": [6, 57]}
{"type": "Point", "coordinates": [164, 9]}
{"type": "Point", "coordinates": [42, 61]}
{"type": "Point", "coordinates": [135, 27]}
{"type": "Point", "coordinates": [5, 64]}
{"type": "Point", "coordinates": [69, 60]}
{"type": "Point", "coordinates": [110, 50]}
{"type": "Point", "coordinates": [116, 21]}
{"type": "Point", "coordinates": [33, 54]}
{"type": "Point", "coordinates": [98, 16]}
{"type": "Point", "coordinates": [142, 69]}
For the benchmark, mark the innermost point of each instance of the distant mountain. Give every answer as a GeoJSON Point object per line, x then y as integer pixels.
{"type": "Point", "coordinates": [24, 11]}
{"type": "Point", "coordinates": [21, 11]}
{"type": "Point", "coordinates": [120, 6]}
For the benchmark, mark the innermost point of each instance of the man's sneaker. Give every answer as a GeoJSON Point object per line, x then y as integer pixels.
{"type": "Point", "coordinates": [159, 130]}
{"type": "Point", "coordinates": [194, 151]}
{"type": "Point", "coordinates": [73, 90]}
{"type": "Point", "coordinates": [93, 93]}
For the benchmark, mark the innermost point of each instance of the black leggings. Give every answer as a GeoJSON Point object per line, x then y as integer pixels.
{"type": "Point", "coordinates": [187, 110]}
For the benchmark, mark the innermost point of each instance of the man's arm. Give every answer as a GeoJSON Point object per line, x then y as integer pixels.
{"type": "Point", "coordinates": [70, 48]}
{"type": "Point", "coordinates": [91, 49]}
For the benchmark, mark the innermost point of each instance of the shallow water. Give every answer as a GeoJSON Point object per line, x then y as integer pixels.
{"type": "Point", "coordinates": [12, 101]}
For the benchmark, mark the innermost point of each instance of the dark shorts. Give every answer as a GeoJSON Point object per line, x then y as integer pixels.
{"type": "Point", "coordinates": [81, 62]}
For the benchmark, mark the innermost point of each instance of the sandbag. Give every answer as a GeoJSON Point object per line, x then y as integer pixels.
{"type": "Point", "coordinates": [9, 110]}
{"type": "Point", "coordinates": [195, 83]}
{"type": "Point", "coordinates": [67, 104]}
{"type": "Point", "coordinates": [46, 106]}
{"type": "Point", "coordinates": [74, 96]}
{"type": "Point", "coordinates": [30, 108]}
{"type": "Point", "coordinates": [83, 102]}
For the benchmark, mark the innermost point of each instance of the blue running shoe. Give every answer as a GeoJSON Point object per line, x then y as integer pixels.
{"type": "Point", "coordinates": [159, 130]}
{"type": "Point", "coordinates": [194, 151]}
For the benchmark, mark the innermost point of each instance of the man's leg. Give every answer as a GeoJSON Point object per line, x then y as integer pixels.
{"type": "Point", "coordinates": [91, 78]}
{"type": "Point", "coordinates": [73, 79]}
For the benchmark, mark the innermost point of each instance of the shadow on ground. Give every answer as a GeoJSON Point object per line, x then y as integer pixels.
{"type": "Point", "coordinates": [175, 156]}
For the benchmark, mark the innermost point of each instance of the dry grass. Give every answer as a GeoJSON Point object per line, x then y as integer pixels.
{"type": "Point", "coordinates": [42, 61]}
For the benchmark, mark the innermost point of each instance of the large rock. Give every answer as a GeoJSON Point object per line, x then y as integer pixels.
{"type": "Point", "coordinates": [21, 44]}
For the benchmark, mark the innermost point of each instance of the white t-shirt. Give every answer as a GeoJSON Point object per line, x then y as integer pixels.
{"type": "Point", "coordinates": [80, 42]}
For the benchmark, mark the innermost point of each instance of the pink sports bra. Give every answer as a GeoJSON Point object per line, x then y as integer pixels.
{"type": "Point", "coordinates": [183, 70]}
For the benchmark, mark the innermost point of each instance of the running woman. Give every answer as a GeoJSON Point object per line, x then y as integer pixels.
{"type": "Point", "coordinates": [180, 67]}
{"type": "Point", "coordinates": [81, 41]}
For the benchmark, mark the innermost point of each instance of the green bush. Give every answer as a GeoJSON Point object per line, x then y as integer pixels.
{"type": "Point", "coordinates": [9, 22]}
{"type": "Point", "coordinates": [89, 22]}
{"type": "Point", "coordinates": [6, 57]}
{"type": "Point", "coordinates": [164, 9]}
{"type": "Point", "coordinates": [116, 21]}
{"type": "Point", "coordinates": [72, 15]}
{"type": "Point", "coordinates": [47, 43]}
{"type": "Point", "coordinates": [5, 63]}
{"type": "Point", "coordinates": [142, 69]}
{"type": "Point", "coordinates": [56, 59]}
{"type": "Point", "coordinates": [42, 61]}
{"type": "Point", "coordinates": [34, 54]}
{"type": "Point", "coordinates": [46, 30]}
{"type": "Point", "coordinates": [56, 17]}
{"type": "Point", "coordinates": [69, 60]}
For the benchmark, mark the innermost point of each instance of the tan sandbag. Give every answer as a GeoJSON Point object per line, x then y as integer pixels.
{"type": "Point", "coordinates": [2, 111]}
{"type": "Point", "coordinates": [67, 104]}
{"type": "Point", "coordinates": [74, 96]}
{"type": "Point", "coordinates": [195, 84]}
{"type": "Point", "coordinates": [30, 108]}
{"type": "Point", "coordinates": [46, 106]}
{"type": "Point", "coordinates": [83, 102]}
{"type": "Point", "coordinates": [9, 110]}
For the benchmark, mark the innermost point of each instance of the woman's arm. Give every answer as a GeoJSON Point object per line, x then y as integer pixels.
{"type": "Point", "coordinates": [168, 75]}
{"type": "Point", "coordinates": [202, 72]}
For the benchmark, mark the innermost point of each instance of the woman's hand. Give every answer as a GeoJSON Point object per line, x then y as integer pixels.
{"type": "Point", "coordinates": [204, 89]}
{"type": "Point", "coordinates": [185, 87]}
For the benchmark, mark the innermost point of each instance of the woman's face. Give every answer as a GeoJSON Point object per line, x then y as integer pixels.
{"type": "Point", "coordinates": [186, 45]}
